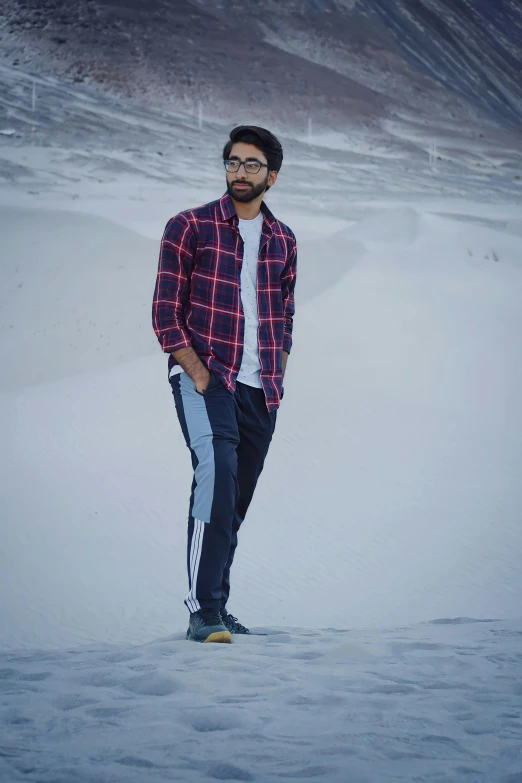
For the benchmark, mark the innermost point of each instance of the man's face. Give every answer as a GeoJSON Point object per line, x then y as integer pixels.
{"type": "Point", "coordinates": [243, 185]}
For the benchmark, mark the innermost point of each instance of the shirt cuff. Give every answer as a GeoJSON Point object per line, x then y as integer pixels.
{"type": "Point", "coordinates": [287, 343]}
{"type": "Point", "coordinates": [173, 341]}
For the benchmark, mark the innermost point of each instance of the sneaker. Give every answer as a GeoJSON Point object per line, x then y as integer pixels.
{"type": "Point", "coordinates": [232, 623]}
{"type": "Point", "coordinates": [206, 625]}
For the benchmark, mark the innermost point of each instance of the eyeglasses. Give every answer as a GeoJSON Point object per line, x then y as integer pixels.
{"type": "Point", "coordinates": [251, 166]}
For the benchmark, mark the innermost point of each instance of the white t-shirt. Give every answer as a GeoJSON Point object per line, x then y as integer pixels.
{"type": "Point", "coordinates": [249, 372]}
{"type": "Point", "coordinates": [250, 369]}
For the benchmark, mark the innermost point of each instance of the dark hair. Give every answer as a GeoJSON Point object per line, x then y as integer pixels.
{"type": "Point", "coordinates": [260, 138]}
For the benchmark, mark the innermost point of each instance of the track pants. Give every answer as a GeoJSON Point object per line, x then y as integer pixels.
{"type": "Point", "coordinates": [228, 436]}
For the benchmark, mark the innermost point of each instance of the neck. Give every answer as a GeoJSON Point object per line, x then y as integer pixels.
{"type": "Point", "coordinates": [250, 210]}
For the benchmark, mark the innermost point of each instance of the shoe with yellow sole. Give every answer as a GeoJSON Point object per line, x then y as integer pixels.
{"type": "Point", "coordinates": [206, 625]}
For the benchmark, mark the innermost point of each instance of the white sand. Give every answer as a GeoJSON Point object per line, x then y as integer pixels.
{"type": "Point", "coordinates": [431, 702]}
{"type": "Point", "coordinates": [391, 497]}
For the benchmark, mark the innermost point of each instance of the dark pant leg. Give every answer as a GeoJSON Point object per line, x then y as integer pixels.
{"type": "Point", "coordinates": [256, 427]}
{"type": "Point", "coordinates": [209, 425]}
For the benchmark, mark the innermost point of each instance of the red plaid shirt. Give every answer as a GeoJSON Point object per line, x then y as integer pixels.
{"type": "Point", "coordinates": [197, 299]}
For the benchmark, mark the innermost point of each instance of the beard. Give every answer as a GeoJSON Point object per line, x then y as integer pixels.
{"type": "Point", "coordinates": [248, 195]}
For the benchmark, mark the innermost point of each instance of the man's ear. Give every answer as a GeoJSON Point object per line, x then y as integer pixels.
{"type": "Point", "coordinates": [272, 178]}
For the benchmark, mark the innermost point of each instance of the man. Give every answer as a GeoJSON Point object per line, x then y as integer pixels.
{"type": "Point", "coordinates": [223, 308]}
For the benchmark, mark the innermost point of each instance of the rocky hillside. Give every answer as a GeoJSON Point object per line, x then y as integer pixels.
{"type": "Point", "coordinates": [338, 62]}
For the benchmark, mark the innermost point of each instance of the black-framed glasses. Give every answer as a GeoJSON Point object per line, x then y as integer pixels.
{"type": "Point", "coordinates": [251, 166]}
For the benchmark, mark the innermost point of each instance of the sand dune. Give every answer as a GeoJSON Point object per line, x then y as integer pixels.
{"type": "Point", "coordinates": [431, 702]}
{"type": "Point", "coordinates": [392, 484]}
{"type": "Point", "coordinates": [381, 555]}
{"type": "Point", "coordinates": [70, 285]}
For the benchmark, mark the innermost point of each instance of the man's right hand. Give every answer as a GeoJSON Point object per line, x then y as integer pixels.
{"type": "Point", "coordinates": [201, 385]}
{"type": "Point", "coordinates": [194, 367]}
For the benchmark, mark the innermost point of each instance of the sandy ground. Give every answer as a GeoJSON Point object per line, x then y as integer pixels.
{"type": "Point", "coordinates": [390, 498]}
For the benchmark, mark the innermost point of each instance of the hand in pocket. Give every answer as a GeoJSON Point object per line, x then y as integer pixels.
{"type": "Point", "coordinates": [202, 386]}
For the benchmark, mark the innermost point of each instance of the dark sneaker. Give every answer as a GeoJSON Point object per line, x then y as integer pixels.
{"type": "Point", "coordinates": [232, 623]}
{"type": "Point", "coordinates": [206, 625]}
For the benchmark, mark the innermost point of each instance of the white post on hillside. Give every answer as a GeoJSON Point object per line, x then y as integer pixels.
{"type": "Point", "coordinates": [200, 115]}
{"type": "Point", "coordinates": [433, 152]}
{"type": "Point", "coordinates": [34, 95]}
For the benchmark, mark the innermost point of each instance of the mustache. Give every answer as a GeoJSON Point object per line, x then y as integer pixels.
{"type": "Point", "coordinates": [240, 182]}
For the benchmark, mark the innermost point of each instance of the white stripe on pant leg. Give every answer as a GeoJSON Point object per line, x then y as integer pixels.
{"type": "Point", "coordinates": [195, 567]}
{"type": "Point", "coordinates": [196, 535]}
{"type": "Point", "coordinates": [195, 557]}
{"type": "Point", "coordinates": [191, 567]}
{"type": "Point", "coordinates": [198, 524]}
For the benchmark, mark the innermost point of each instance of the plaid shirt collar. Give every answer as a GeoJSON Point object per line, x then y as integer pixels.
{"type": "Point", "coordinates": [228, 212]}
